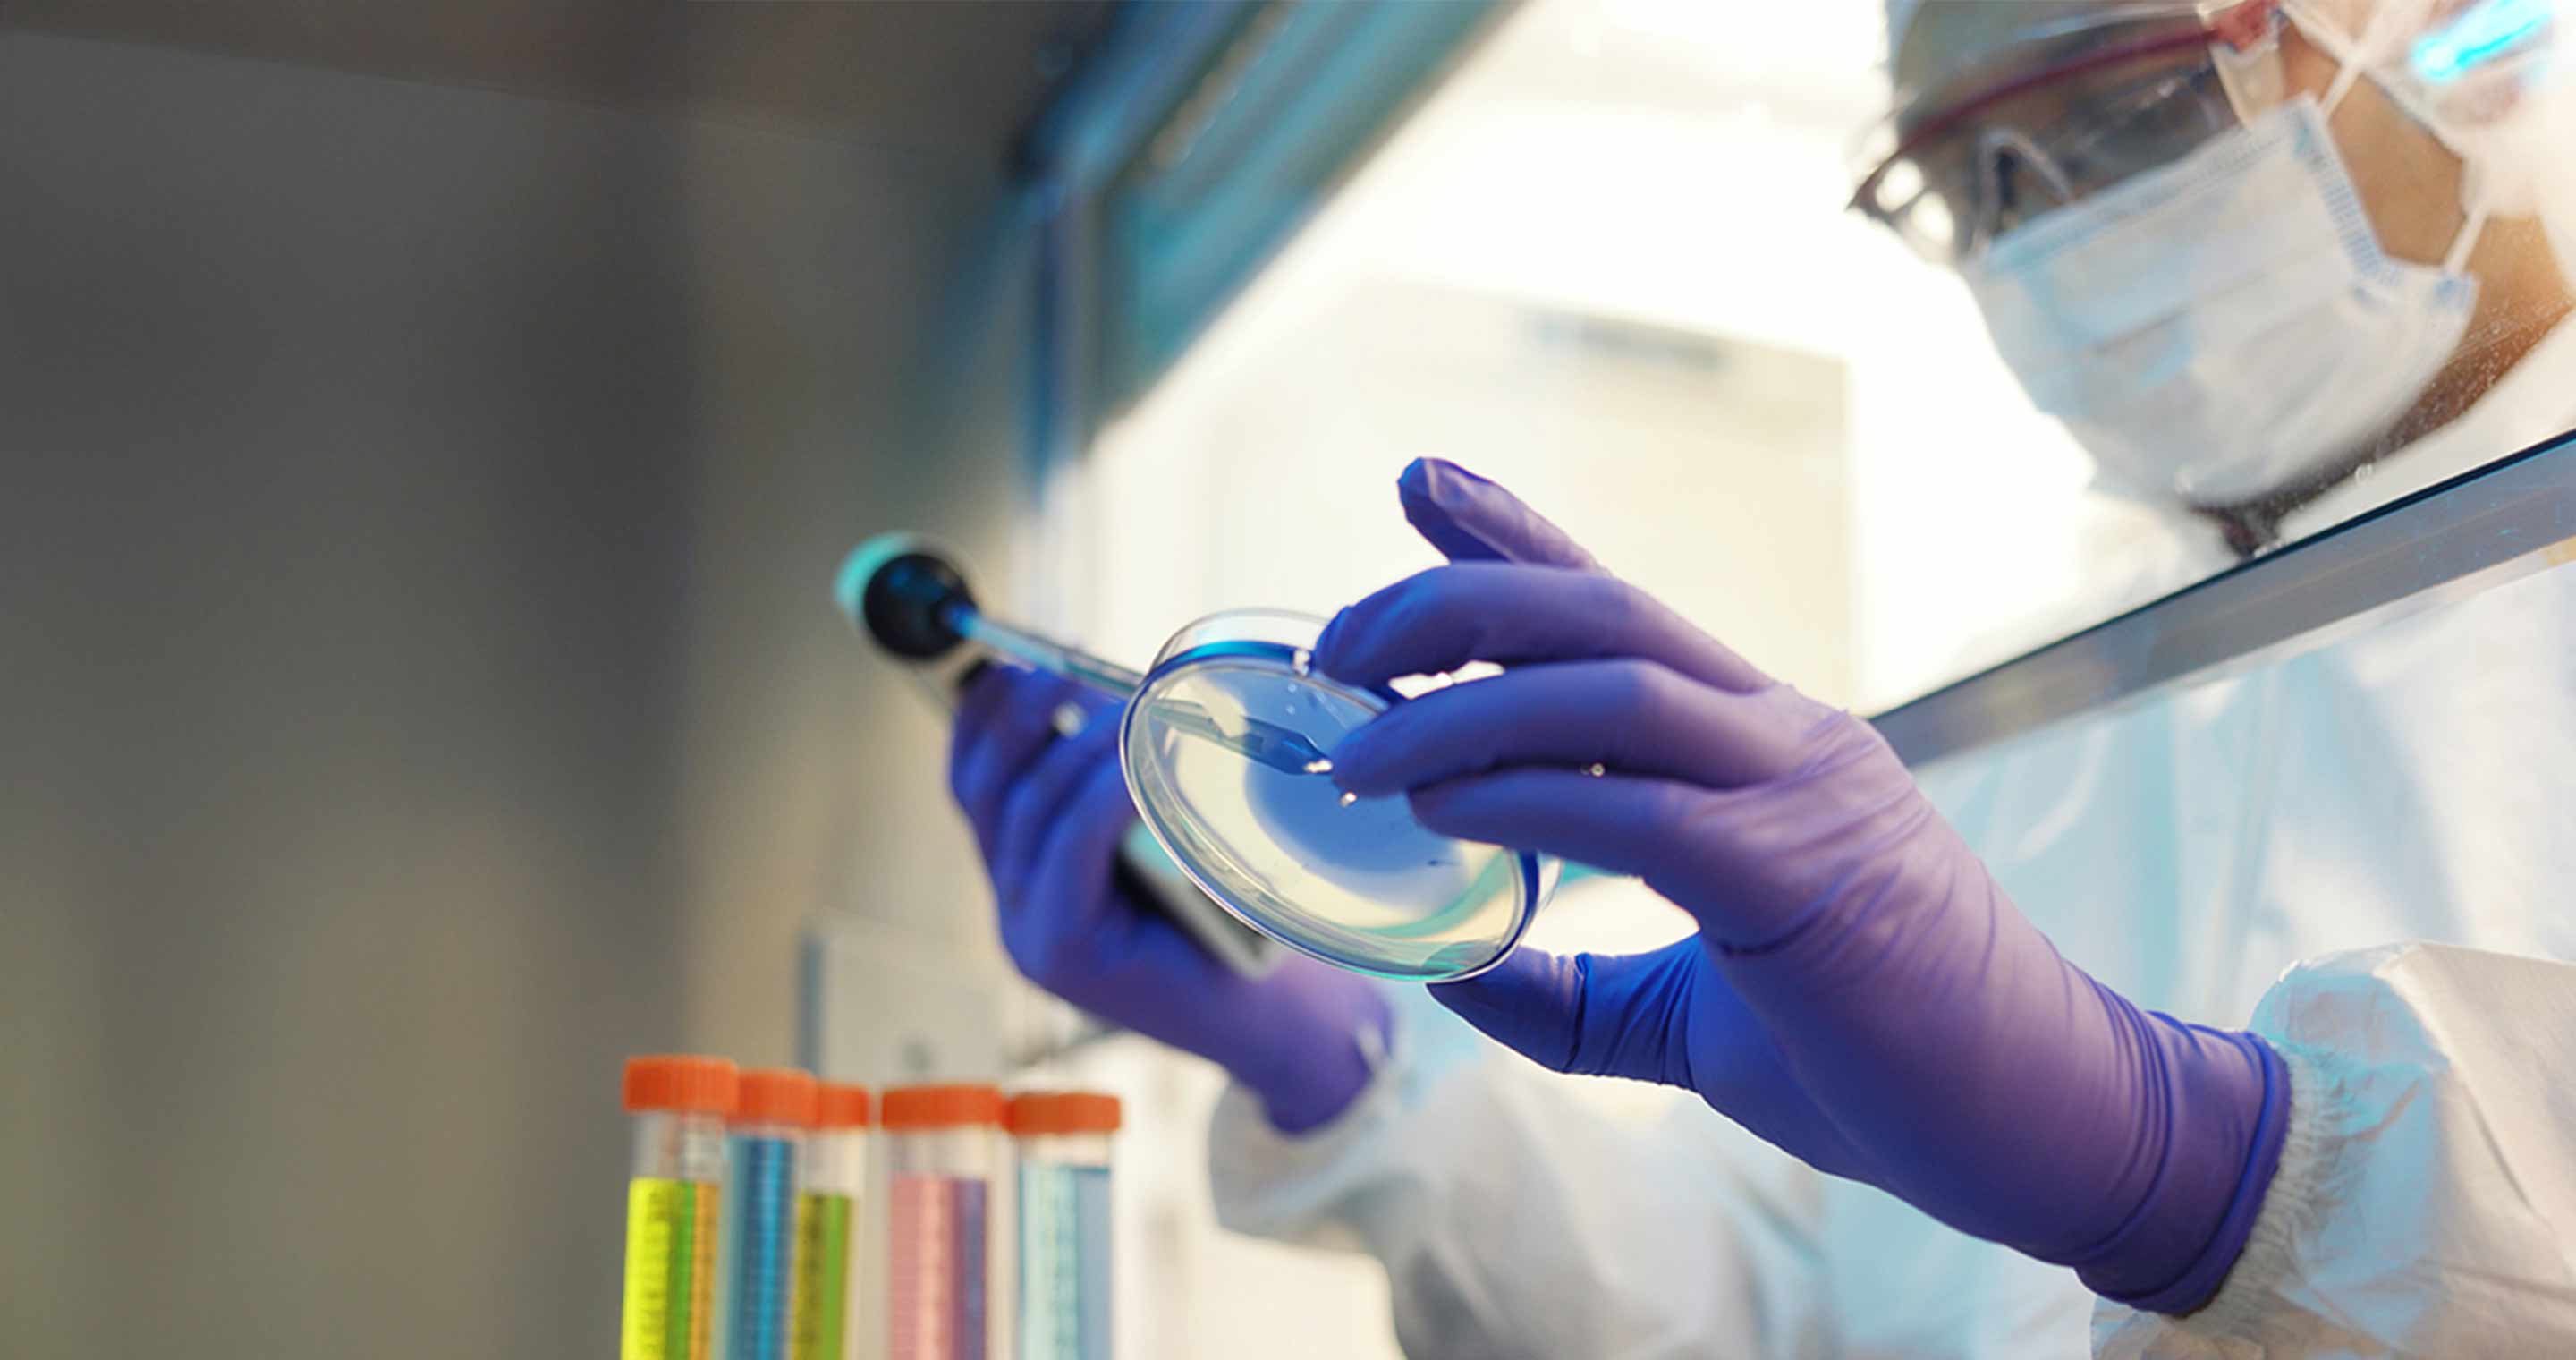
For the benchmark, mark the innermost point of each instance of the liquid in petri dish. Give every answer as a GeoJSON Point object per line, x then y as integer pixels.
{"type": "Point", "coordinates": [1356, 881]}
{"type": "Point", "coordinates": [1362, 871]}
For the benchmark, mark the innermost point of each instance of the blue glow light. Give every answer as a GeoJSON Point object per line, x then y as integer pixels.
{"type": "Point", "coordinates": [2483, 32]}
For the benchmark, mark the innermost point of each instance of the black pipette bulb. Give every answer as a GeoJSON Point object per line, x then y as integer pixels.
{"type": "Point", "coordinates": [901, 594]}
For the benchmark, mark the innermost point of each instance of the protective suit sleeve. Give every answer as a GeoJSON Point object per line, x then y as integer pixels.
{"type": "Point", "coordinates": [1515, 1218]}
{"type": "Point", "coordinates": [2426, 1197]}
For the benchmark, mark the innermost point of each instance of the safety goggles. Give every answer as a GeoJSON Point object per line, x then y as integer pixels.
{"type": "Point", "coordinates": [2067, 111]}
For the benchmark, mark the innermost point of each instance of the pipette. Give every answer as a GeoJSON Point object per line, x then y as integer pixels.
{"type": "Point", "coordinates": [1228, 800]}
{"type": "Point", "coordinates": [897, 591]}
{"type": "Point", "coordinates": [917, 606]}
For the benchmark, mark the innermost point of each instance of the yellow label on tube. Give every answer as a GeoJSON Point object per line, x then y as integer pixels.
{"type": "Point", "coordinates": [651, 1207]}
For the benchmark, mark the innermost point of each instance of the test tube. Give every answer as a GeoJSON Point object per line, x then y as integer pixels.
{"type": "Point", "coordinates": [944, 1157]}
{"type": "Point", "coordinates": [766, 1138]}
{"type": "Point", "coordinates": [1062, 1138]}
{"type": "Point", "coordinates": [672, 1193]}
{"type": "Point", "coordinates": [833, 1178]}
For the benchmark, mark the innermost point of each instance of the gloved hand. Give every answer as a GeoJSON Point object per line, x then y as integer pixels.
{"type": "Point", "coordinates": [1860, 992]}
{"type": "Point", "coordinates": [1048, 814]}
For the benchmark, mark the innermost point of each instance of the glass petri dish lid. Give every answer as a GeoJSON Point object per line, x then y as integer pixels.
{"type": "Point", "coordinates": [1223, 748]}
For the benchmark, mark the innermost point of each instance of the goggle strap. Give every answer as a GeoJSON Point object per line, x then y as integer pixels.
{"type": "Point", "coordinates": [2474, 225]}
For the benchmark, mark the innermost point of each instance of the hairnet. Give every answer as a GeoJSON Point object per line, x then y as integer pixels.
{"type": "Point", "coordinates": [1979, 29]}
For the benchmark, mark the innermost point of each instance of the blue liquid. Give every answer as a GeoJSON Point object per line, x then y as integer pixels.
{"type": "Point", "coordinates": [1357, 882]}
{"type": "Point", "coordinates": [761, 1246]}
{"type": "Point", "coordinates": [1064, 1262]}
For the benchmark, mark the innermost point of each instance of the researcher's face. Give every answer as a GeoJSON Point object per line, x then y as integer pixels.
{"type": "Point", "coordinates": [2214, 338]}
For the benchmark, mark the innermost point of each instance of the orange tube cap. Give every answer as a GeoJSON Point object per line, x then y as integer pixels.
{"type": "Point", "coordinates": [962, 1105]}
{"type": "Point", "coordinates": [776, 1095]}
{"type": "Point", "coordinates": [1041, 1112]}
{"type": "Point", "coordinates": [681, 1083]}
{"type": "Point", "coordinates": [838, 1105]}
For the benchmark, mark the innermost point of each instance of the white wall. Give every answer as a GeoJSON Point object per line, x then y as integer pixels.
{"type": "Point", "coordinates": [1269, 477]}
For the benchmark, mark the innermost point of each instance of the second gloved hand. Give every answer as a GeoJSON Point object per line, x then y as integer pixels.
{"type": "Point", "coordinates": [1860, 993]}
{"type": "Point", "coordinates": [1048, 814]}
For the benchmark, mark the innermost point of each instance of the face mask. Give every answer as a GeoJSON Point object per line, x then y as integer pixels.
{"type": "Point", "coordinates": [2214, 329]}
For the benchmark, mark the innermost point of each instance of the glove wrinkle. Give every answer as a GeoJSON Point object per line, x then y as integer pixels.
{"type": "Point", "coordinates": [1581, 1025]}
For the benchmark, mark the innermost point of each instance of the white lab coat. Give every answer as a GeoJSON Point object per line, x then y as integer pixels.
{"type": "Point", "coordinates": [2391, 818]}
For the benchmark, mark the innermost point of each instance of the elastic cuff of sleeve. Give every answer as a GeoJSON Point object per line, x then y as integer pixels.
{"type": "Point", "coordinates": [2247, 1294]}
{"type": "Point", "coordinates": [2201, 1280]}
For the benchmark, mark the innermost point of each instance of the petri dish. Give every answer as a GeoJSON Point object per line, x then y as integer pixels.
{"type": "Point", "coordinates": [1222, 750]}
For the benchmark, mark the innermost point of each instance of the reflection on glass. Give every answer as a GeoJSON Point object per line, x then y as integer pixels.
{"type": "Point", "coordinates": [2134, 291]}
{"type": "Point", "coordinates": [2271, 267]}
{"type": "Point", "coordinates": [2403, 775]}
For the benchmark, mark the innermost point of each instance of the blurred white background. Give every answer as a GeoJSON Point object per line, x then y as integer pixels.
{"type": "Point", "coordinates": [431, 431]}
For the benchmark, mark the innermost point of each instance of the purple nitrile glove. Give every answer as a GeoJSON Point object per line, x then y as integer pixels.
{"type": "Point", "coordinates": [1860, 993]}
{"type": "Point", "coordinates": [1048, 814]}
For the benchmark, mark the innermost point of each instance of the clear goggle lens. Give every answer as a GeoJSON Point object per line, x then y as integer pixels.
{"type": "Point", "coordinates": [1959, 177]}
{"type": "Point", "coordinates": [2076, 110]}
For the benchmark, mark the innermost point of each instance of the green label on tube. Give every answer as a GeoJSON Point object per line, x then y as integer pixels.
{"type": "Point", "coordinates": [822, 1276]}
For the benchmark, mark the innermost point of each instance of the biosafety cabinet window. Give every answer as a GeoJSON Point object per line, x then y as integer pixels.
{"type": "Point", "coordinates": [1887, 342]}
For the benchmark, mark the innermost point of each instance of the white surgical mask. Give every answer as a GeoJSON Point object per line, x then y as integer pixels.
{"type": "Point", "coordinates": [2217, 328]}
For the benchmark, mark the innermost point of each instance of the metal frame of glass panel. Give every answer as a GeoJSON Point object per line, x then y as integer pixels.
{"type": "Point", "coordinates": [2505, 520]}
